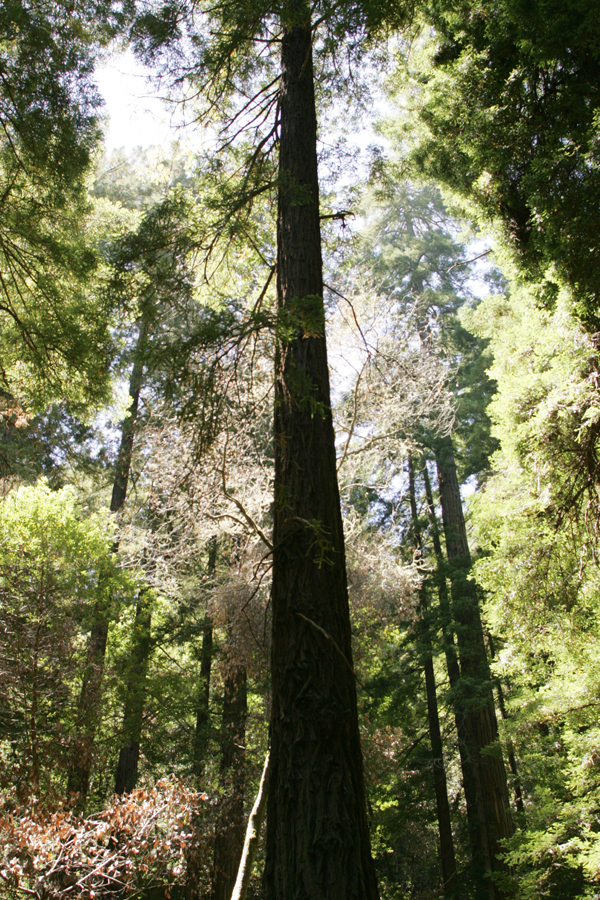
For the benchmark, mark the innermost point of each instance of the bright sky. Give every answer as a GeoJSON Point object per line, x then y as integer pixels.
{"type": "Point", "coordinates": [137, 115]}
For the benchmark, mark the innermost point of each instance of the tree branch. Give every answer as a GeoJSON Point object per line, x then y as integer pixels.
{"type": "Point", "coordinates": [255, 821]}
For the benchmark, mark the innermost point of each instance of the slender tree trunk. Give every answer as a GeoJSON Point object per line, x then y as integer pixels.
{"type": "Point", "coordinates": [445, 611]}
{"type": "Point", "coordinates": [133, 714]}
{"type": "Point", "coordinates": [467, 763]}
{"type": "Point", "coordinates": [195, 863]}
{"type": "Point", "coordinates": [89, 703]}
{"type": "Point", "coordinates": [317, 845]}
{"type": "Point", "coordinates": [255, 821]}
{"type": "Point", "coordinates": [230, 828]}
{"type": "Point", "coordinates": [435, 736]}
{"type": "Point", "coordinates": [202, 732]}
{"type": "Point", "coordinates": [474, 693]}
{"type": "Point", "coordinates": [510, 750]}
{"type": "Point", "coordinates": [88, 707]}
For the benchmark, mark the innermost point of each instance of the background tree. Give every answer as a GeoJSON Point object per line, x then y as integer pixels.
{"type": "Point", "coordinates": [406, 255]}
{"type": "Point", "coordinates": [55, 563]}
{"type": "Point", "coordinates": [540, 571]}
{"type": "Point", "coordinates": [509, 116]}
{"type": "Point", "coordinates": [55, 327]}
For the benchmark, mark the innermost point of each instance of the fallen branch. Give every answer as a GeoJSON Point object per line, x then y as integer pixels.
{"type": "Point", "coordinates": [255, 821]}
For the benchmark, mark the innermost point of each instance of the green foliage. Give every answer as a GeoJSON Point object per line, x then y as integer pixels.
{"type": "Point", "coordinates": [536, 522]}
{"type": "Point", "coordinates": [52, 444]}
{"type": "Point", "coordinates": [546, 413]}
{"type": "Point", "coordinates": [412, 268]}
{"type": "Point", "coordinates": [48, 115]}
{"type": "Point", "coordinates": [510, 113]}
{"type": "Point", "coordinates": [55, 332]}
{"type": "Point", "coordinates": [55, 562]}
{"type": "Point", "coordinates": [56, 338]}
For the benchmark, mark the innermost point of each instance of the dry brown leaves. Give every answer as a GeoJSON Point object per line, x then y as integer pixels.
{"type": "Point", "coordinates": [138, 841]}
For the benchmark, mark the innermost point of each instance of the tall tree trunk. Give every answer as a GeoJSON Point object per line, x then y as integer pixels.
{"type": "Point", "coordinates": [474, 692]}
{"type": "Point", "coordinates": [510, 750]}
{"type": "Point", "coordinates": [202, 732]}
{"type": "Point", "coordinates": [231, 825]}
{"type": "Point", "coordinates": [133, 714]}
{"type": "Point", "coordinates": [445, 611]}
{"type": "Point", "coordinates": [435, 736]}
{"type": "Point", "coordinates": [317, 843]}
{"type": "Point", "coordinates": [195, 864]}
{"type": "Point", "coordinates": [467, 763]}
{"type": "Point", "coordinates": [88, 707]}
{"type": "Point", "coordinates": [89, 703]}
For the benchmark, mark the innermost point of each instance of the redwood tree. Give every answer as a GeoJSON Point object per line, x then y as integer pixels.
{"type": "Point", "coordinates": [129, 753]}
{"type": "Point", "coordinates": [318, 843]}
{"type": "Point", "coordinates": [474, 699]}
{"type": "Point", "coordinates": [447, 857]}
{"type": "Point", "coordinates": [230, 826]}
{"type": "Point", "coordinates": [317, 835]}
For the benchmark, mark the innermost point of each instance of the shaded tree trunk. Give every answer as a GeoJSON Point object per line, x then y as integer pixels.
{"type": "Point", "coordinates": [510, 750]}
{"type": "Point", "coordinates": [195, 862]}
{"type": "Point", "coordinates": [317, 843]}
{"type": "Point", "coordinates": [469, 780]}
{"type": "Point", "coordinates": [133, 714]}
{"type": "Point", "coordinates": [88, 707]}
{"type": "Point", "coordinates": [473, 695]}
{"type": "Point", "coordinates": [89, 703]}
{"type": "Point", "coordinates": [231, 826]}
{"type": "Point", "coordinates": [447, 857]}
{"type": "Point", "coordinates": [202, 732]}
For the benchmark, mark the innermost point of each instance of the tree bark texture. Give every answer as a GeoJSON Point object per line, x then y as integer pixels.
{"type": "Point", "coordinates": [133, 714]}
{"type": "Point", "coordinates": [447, 857]}
{"type": "Point", "coordinates": [444, 600]}
{"type": "Point", "coordinates": [88, 706]}
{"type": "Point", "coordinates": [317, 845]}
{"type": "Point", "coordinates": [474, 692]}
{"type": "Point", "coordinates": [230, 827]}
